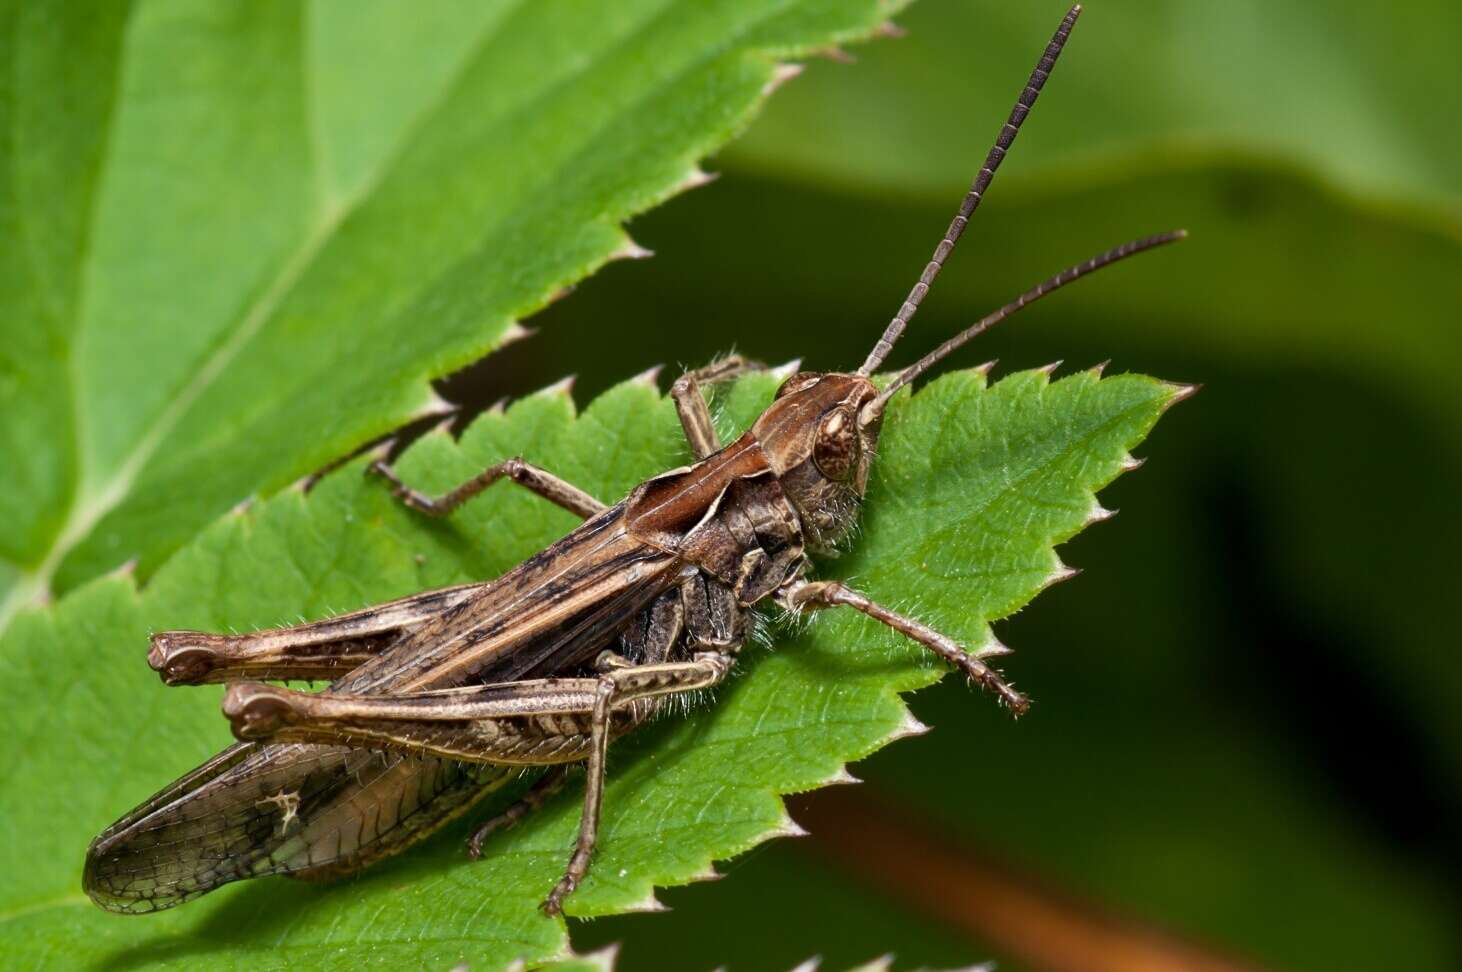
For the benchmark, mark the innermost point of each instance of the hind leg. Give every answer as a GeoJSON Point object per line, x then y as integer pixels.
{"type": "Point", "coordinates": [323, 650]}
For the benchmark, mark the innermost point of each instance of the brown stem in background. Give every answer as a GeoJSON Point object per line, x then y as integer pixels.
{"type": "Point", "coordinates": [1014, 913]}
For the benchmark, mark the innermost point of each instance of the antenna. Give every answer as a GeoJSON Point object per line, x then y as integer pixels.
{"type": "Point", "coordinates": [972, 198]}
{"type": "Point", "coordinates": [1069, 275]}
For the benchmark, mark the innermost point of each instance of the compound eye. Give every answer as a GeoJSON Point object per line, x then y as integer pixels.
{"type": "Point", "coordinates": [799, 381]}
{"type": "Point", "coordinates": [836, 449]}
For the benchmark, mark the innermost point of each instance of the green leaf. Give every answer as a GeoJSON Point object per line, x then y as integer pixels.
{"type": "Point", "coordinates": [972, 488]}
{"type": "Point", "coordinates": [239, 238]}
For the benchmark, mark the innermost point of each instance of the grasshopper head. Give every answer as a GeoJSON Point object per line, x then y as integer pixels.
{"type": "Point", "coordinates": [821, 432]}
{"type": "Point", "coordinates": [821, 440]}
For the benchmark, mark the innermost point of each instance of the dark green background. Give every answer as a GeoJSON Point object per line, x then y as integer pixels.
{"type": "Point", "coordinates": [1247, 727]}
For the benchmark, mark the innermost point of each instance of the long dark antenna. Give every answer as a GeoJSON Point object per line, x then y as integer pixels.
{"type": "Point", "coordinates": [1055, 283]}
{"type": "Point", "coordinates": [977, 191]}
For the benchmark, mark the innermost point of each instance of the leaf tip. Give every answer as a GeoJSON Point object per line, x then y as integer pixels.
{"type": "Point", "coordinates": [432, 405]}
{"type": "Point", "coordinates": [835, 54]}
{"type": "Point", "coordinates": [380, 452]}
{"type": "Point", "coordinates": [781, 74]}
{"type": "Point", "coordinates": [786, 827]}
{"type": "Point", "coordinates": [649, 904]}
{"type": "Point", "coordinates": [602, 959]}
{"type": "Point", "coordinates": [630, 250]}
{"type": "Point", "coordinates": [993, 648]}
{"type": "Point", "coordinates": [444, 427]}
{"type": "Point", "coordinates": [1178, 393]}
{"type": "Point", "coordinates": [1049, 370]}
{"type": "Point", "coordinates": [1131, 463]}
{"type": "Point", "coordinates": [517, 331]}
{"type": "Point", "coordinates": [650, 377]}
{"type": "Point", "coordinates": [705, 874]}
{"type": "Point", "coordinates": [909, 725]}
{"type": "Point", "coordinates": [786, 370]}
{"type": "Point", "coordinates": [1059, 574]}
{"type": "Point", "coordinates": [1098, 514]}
{"type": "Point", "coordinates": [1098, 369]}
{"type": "Point", "coordinates": [696, 178]}
{"type": "Point", "coordinates": [564, 387]}
{"type": "Point", "coordinates": [841, 777]}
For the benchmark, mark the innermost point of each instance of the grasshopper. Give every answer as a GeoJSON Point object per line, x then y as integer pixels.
{"type": "Point", "coordinates": [438, 699]}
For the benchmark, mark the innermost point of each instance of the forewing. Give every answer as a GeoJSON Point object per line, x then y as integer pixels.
{"type": "Point", "coordinates": [548, 616]}
{"type": "Point", "coordinates": [255, 810]}
{"type": "Point", "coordinates": [319, 810]}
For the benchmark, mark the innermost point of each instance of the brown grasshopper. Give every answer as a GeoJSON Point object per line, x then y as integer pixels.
{"type": "Point", "coordinates": [438, 697]}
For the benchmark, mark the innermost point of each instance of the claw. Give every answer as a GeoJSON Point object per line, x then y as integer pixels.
{"type": "Point", "coordinates": [990, 680]}
{"type": "Point", "coordinates": [480, 835]}
{"type": "Point", "coordinates": [474, 843]}
{"type": "Point", "coordinates": [553, 904]}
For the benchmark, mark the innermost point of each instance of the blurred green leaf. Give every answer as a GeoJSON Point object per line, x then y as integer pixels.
{"type": "Point", "coordinates": [972, 488]}
{"type": "Point", "coordinates": [241, 237]}
{"type": "Point", "coordinates": [1357, 94]}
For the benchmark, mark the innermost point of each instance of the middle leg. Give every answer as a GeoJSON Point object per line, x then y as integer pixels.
{"type": "Point", "coordinates": [817, 594]}
{"type": "Point", "coordinates": [532, 478]}
{"type": "Point", "coordinates": [536, 795]}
